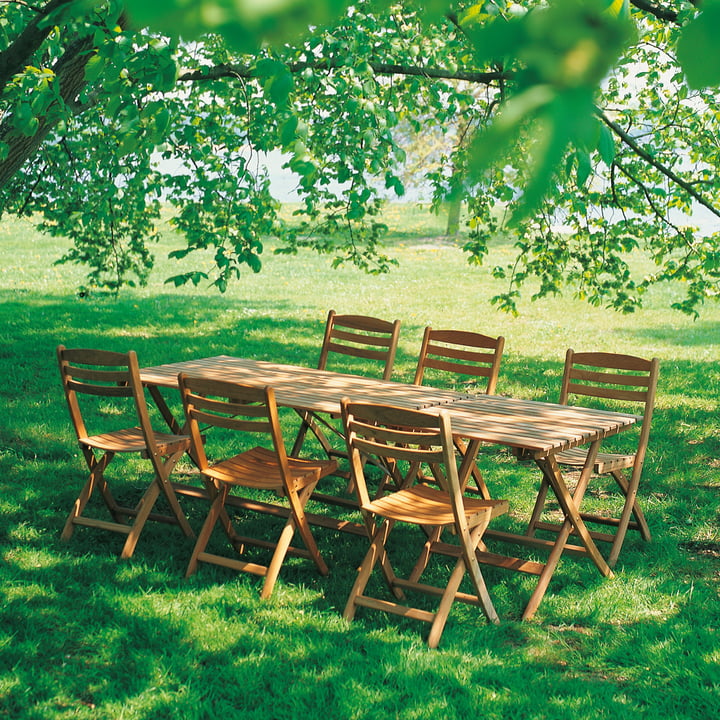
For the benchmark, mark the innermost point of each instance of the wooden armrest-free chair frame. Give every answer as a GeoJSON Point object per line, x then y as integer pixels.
{"type": "Point", "coordinates": [356, 336]}
{"type": "Point", "coordinates": [462, 353]}
{"type": "Point", "coordinates": [113, 377]}
{"type": "Point", "coordinates": [616, 377]}
{"type": "Point", "coordinates": [404, 441]}
{"type": "Point", "coordinates": [249, 411]}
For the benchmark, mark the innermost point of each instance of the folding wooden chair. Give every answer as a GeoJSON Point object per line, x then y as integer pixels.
{"type": "Point", "coordinates": [461, 353]}
{"type": "Point", "coordinates": [631, 381]}
{"type": "Point", "coordinates": [113, 378]}
{"type": "Point", "coordinates": [467, 356]}
{"type": "Point", "coordinates": [247, 410]}
{"type": "Point", "coordinates": [356, 336]}
{"type": "Point", "coordinates": [405, 441]}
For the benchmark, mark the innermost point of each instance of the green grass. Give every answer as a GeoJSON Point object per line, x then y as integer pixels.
{"type": "Point", "coordinates": [85, 635]}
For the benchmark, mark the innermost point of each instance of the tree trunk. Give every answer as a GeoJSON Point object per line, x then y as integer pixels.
{"type": "Point", "coordinates": [453, 223]}
{"type": "Point", "coordinates": [17, 55]}
{"type": "Point", "coordinates": [70, 71]}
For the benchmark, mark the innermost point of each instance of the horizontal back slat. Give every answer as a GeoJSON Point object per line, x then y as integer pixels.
{"type": "Point", "coordinates": [364, 323]}
{"type": "Point", "coordinates": [476, 370]}
{"type": "Point", "coordinates": [607, 393]}
{"type": "Point", "coordinates": [462, 337]}
{"type": "Point", "coordinates": [227, 407]}
{"type": "Point", "coordinates": [241, 424]}
{"type": "Point", "coordinates": [475, 356]}
{"type": "Point", "coordinates": [396, 452]}
{"type": "Point", "coordinates": [85, 356]}
{"type": "Point", "coordinates": [100, 390]}
{"type": "Point", "coordinates": [595, 376]}
{"type": "Point", "coordinates": [98, 375]}
{"type": "Point", "coordinates": [360, 352]}
{"type": "Point", "coordinates": [376, 340]}
{"type": "Point", "coordinates": [612, 360]}
{"type": "Point", "coordinates": [393, 435]}
{"type": "Point", "coordinates": [397, 417]}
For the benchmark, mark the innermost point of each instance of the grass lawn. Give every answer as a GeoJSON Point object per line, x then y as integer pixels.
{"type": "Point", "coordinates": [86, 635]}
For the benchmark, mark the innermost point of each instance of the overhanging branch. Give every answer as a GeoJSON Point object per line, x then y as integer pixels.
{"type": "Point", "coordinates": [16, 55]}
{"type": "Point", "coordinates": [650, 160]}
{"type": "Point", "coordinates": [246, 72]}
{"type": "Point", "coordinates": [661, 12]}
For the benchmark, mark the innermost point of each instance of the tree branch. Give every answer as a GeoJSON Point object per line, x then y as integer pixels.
{"type": "Point", "coordinates": [659, 11]}
{"type": "Point", "coordinates": [220, 72]}
{"type": "Point", "coordinates": [15, 57]}
{"type": "Point", "coordinates": [648, 158]}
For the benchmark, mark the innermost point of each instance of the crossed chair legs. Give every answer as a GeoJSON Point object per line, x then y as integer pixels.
{"type": "Point", "coordinates": [296, 522]}
{"type": "Point", "coordinates": [466, 563]}
{"type": "Point", "coordinates": [120, 514]}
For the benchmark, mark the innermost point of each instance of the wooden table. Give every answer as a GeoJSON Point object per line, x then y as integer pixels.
{"type": "Point", "coordinates": [300, 388]}
{"type": "Point", "coordinates": [540, 430]}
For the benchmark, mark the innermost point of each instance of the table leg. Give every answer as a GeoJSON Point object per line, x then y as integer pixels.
{"type": "Point", "coordinates": [162, 406]}
{"type": "Point", "coordinates": [468, 466]}
{"type": "Point", "coordinates": [570, 504]}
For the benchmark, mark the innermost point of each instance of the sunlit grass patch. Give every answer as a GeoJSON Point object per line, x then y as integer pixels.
{"type": "Point", "coordinates": [86, 635]}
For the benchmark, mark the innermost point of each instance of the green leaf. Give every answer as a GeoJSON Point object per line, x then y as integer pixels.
{"type": "Point", "coordinates": [25, 120]}
{"type": "Point", "coordinates": [584, 167]}
{"type": "Point", "coordinates": [288, 131]}
{"type": "Point", "coordinates": [94, 68]}
{"type": "Point", "coordinates": [698, 49]}
{"type": "Point", "coordinates": [281, 86]}
{"type": "Point", "coordinates": [267, 67]}
{"type": "Point", "coordinates": [606, 145]}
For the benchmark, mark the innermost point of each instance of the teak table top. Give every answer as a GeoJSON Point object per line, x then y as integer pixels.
{"type": "Point", "coordinates": [538, 427]}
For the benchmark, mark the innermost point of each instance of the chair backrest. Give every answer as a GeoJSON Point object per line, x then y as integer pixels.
{"type": "Point", "coordinates": [461, 353]}
{"type": "Point", "coordinates": [404, 441]}
{"type": "Point", "coordinates": [361, 336]}
{"type": "Point", "coordinates": [239, 408]}
{"type": "Point", "coordinates": [613, 376]}
{"type": "Point", "coordinates": [102, 374]}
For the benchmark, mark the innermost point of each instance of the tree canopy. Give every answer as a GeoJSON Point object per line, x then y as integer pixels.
{"type": "Point", "coordinates": [585, 130]}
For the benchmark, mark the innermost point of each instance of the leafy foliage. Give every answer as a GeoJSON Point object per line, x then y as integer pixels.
{"type": "Point", "coordinates": [569, 126]}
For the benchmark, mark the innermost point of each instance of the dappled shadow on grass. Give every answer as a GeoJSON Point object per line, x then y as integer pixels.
{"type": "Point", "coordinates": [84, 634]}
{"type": "Point", "coordinates": [691, 333]}
{"type": "Point", "coordinates": [89, 635]}
{"type": "Point", "coordinates": [262, 331]}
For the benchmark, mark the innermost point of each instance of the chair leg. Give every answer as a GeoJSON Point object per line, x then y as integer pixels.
{"type": "Point", "coordinates": [296, 521]}
{"type": "Point", "coordinates": [281, 548]}
{"type": "Point", "coordinates": [446, 601]}
{"type": "Point", "coordinates": [96, 479]}
{"type": "Point", "coordinates": [467, 562]}
{"type": "Point", "coordinates": [473, 568]}
{"type": "Point", "coordinates": [631, 507]}
{"type": "Point", "coordinates": [297, 505]}
{"type": "Point", "coordinates": [144, 508]}
{"type": "Point", "coordinates": [216, 508]}
{"type": "Point", "coordinates": [424, 558]}
{"type": "Point", "coordinates": [163, 471]}
{"type": "Point", "coordinates": [371, 558]}
{"type": "Point", "coordinates": [631, 489]}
